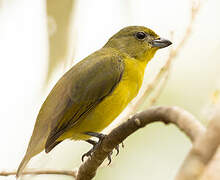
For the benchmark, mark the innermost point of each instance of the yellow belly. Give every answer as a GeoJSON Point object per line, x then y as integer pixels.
{"type": "Point", "coordinates": [111, 106]}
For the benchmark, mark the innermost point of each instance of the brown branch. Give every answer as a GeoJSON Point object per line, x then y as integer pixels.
{"type": "Point", "coordinates": [202, 151]}
{"type": "Point", "coordinates": [212, 170]}
{"type": "Point", "coordinates": [182, 119]}
{"type": "Point", "coordinates": [40, 172]}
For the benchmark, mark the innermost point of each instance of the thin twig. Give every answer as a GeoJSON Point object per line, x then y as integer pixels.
{"type": "Point", "coordinates": [172, 55]}
{"type": "Point", "coordinates": [159, 90]}
{"type": "Point", "coordinates": [163, 81]}
{"type": "Point", "coordinates": [182, 119]}
{"type": "Point", "coordinates": [40, 172]}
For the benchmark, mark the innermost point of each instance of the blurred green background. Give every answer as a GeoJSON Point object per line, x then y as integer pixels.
{"type": "Point", "coordinates": [40, 40]}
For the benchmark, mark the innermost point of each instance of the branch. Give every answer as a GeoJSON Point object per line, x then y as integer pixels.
{"type": "Point", "coordinates": [182, 119]}
{"type": "Point", "coordinates": [185, 121]}
{"type": "Point", "coordinates": [34, 172]}
{"type": "Point", "coordinates": [212, 171]}
{"type": "Point", "coordinates": [159, 89]}
{"type": "Point", "coordinates": [202, 151]}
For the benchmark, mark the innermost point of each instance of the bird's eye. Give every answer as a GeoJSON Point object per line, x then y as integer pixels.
{"type": "Point", "coordinates": [140, 35]}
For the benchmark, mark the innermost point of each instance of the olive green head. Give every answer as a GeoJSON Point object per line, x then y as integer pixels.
{"type": "Point", "coordinates": [138, 42]}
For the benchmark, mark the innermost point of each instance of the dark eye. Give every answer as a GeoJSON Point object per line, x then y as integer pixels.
{"type": "Point", "coordinates": [140, 35]}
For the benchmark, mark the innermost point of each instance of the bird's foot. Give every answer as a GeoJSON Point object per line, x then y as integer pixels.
{"type": "Point", "coordinates": [96, 144]}
{"type": "Point", "coordinates": [89, 153]}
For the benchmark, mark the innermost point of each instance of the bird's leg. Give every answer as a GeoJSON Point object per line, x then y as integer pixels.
{"type": "Point", "coordinates": [89, 153]}
{"type": "Point", "coordinates": [90, 141]}
{"type": "Point", "coordinates": [95, 145]}
{"type": "Point", "coordinates": [100, 136]}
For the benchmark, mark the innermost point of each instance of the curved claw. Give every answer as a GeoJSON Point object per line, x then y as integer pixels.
{"type": "Point", "coordinates": [83, 156]}
{"type": "Point", "coordinates": [117, 149]}
{"type": "Point", "coordinates": [122, 144]}
{"type": "Point", "coordinates": [88, 154]}
{"type": "Point", "coordinates": [109, 158]}
{"type": "Point", "coordinates": [95, 145]}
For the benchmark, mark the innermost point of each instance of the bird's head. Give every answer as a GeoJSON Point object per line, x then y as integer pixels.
{"type": "Point", "coordinates": [138, 42]}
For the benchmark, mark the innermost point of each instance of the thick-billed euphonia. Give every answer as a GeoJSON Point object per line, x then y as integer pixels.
{"type": "Point", "coordinates": [94, 92]}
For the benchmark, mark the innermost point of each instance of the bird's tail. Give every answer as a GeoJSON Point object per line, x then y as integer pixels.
{"type": "Point", "coordinates": [34, 148]}
{"type": "Point", "coordinates": [37, 142]}
{"type": "Point", "coordinates": [22, 165]}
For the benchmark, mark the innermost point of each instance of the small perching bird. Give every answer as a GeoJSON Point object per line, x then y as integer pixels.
{"type": "Point", "coordinates": [94, 92]}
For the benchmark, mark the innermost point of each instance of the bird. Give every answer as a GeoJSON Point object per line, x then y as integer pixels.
{"type": "Point", "coordinates": [88, 97]}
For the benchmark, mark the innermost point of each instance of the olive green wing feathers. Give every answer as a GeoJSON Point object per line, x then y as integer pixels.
{"type": "Point", "coordinates": [94, 79]}
{"type": "Point", "coordinates": [74, 95]}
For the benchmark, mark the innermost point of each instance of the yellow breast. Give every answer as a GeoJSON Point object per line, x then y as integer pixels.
{"type": "Point", "coordinates": [106, 111]}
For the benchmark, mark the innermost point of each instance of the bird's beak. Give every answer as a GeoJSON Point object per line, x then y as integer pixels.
{"type": "Point", "coordinates": [161, 43]}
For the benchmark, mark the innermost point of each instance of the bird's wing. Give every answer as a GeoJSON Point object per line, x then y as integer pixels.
{"type": "Point", "coordinates": [89, 82]}
{"type": "Point", "coordinates": [74, 95]}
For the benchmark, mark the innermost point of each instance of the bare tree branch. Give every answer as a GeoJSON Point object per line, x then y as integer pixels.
{"type": "Point", "coordinates": [212, 170]}
{"type": "Point", "coordinates": [202, 151]}
{"type": "Point", "coordinates": [182, 119]}
{"type": "Point", "coordinates": [185, 121]}
{"type": "Point", "coordinates": [40, 172]}
{"type": "Point", "coordinates": [159, 89]}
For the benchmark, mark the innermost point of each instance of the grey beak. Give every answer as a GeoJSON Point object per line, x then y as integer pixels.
{"type": "Point", "coordinates": [161, 43]}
